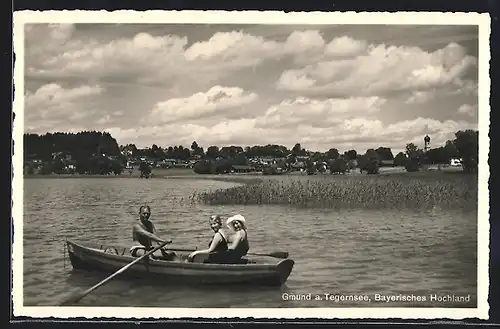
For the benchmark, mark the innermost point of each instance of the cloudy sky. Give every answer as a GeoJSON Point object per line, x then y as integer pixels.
{"type": "Point", "coordinates": [342, 86]}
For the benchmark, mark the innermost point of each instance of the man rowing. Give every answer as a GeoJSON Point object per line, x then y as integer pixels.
{"type": "Point", "coordinates": [144, 232]}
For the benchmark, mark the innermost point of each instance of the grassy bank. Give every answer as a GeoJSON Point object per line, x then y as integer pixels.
{"type": "Point", "coordinates": [156, 173]}
{"type": "Point", "coordinates": [413, 191]}
{"type": "Point", "coordinates": [160, 173]}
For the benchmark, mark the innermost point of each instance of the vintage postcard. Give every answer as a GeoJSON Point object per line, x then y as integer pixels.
{"type": "Point", "coordinates": [251, 164]}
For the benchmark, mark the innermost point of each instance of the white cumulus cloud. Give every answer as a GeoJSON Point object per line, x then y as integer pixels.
{"type": "Point", "coordinates": [381, 70]}
{"type": "Point", "coordinates": [323, 87]}
{"type": "Point", "coordinates": [419, 97]}
{"type": "Point", "coordinates": [468, 109]}
{"type": "Point", "coordinates": [217, 99]}
{"type": "Point", "coordinates": [145, 58]}
{"type": "Point", "coordinates": [323, 113]}
{"type": "Point", "coordinates": [52, 101]}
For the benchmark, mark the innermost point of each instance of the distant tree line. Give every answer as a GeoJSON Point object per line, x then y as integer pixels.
{"type": "Point", "coordinates": [88, 152]}
{"type": "Point", "coordinates": [465, 147]}
{"type": "Point", "coordinates": [95, 152]}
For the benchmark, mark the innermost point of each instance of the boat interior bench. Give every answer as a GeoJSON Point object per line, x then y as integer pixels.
{"type": "Point", "coordinates": [214, 258]}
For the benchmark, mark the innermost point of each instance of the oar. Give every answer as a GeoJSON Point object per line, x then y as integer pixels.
{"type": "Point", "coordinates": [79, 296]}
{"type": "Point", "coordinates": [276, 254]}
{"type": "Point", "coordinates": [181, 249]}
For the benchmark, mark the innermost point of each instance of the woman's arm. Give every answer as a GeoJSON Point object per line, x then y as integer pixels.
{"type": "Point", "coordinates": [238, 237]}
{"type": "Point", "coordinates": [211, 248]}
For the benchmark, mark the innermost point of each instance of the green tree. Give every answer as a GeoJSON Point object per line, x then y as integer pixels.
{"type": "Point", "coordinates": [145, 169]}
{"type": "Point", "coordinates": [351, 164]}
{"type": "Point", "coordinates": [58, 167]}
{"type": "Point", "coordinates": [223, 166]}
{"type": "Point", "coordinates": [384, 153]}
{"type": "Point", "coordinates": [414, 154]}
{"type": "Point", "coordinates": [332, 153]}
{"type": "Point", "coordinates": [212, 152]}
{"type": "Point", "coordinates": [194, 146]}
{"type": "Point", "coordinates": [414, 157]}
{"type": "Point", "coordinates": [318, 157]}
{"type": "Point", "coordinates": [117, 167]}
{"type": "Point", "coordinates": [196, 149]}
{"type": "Point", "coordinates": [411, 150]}
{"type": "Point", "coordinates": [451, 150]}
{"type": "Point", "coordinates": [297, 150]}
{"type": "Point", "coordinates": [467, 145]}
{"type": "Point", "coordinates": [338, 166]}
{"type": "Point", "coordinates": [204, 167]}
{"type": "Point", "coordinates": [369, 162]}
{"type": "Point", "coordinates": [438, 155]}
{"type": "Point", "coordinates": [240, 159]}
{"type": "Point", "coordinates": [81, 145]}
{"type": "Point", "coordinates": [47, 168]}
{"type": "Point", "coordinates": [156, 153]}
{"type": "Point", "coordinates": [411, 165]}
{"type": "Point", "coordinates": [400, 159]}
{"type": "Point", "coordinates": [351, 155]}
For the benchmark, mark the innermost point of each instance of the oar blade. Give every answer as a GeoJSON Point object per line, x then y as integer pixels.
{"type": "Point", "coordinates": [72, 299]}
{"type": "Point", "coordinates": [279, 254]}
{"type": "Point", "coordinates": [276, 254]}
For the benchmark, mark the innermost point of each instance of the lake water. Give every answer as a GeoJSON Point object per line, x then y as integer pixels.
{"type": "Point", "coordinates": [336, 252]}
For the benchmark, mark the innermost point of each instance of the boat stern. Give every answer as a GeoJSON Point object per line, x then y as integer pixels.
{"type": "Point", "coordinates": [80, 256]}
{"type": "Point", "coordinates": [284, 269]}
{"type": "Point", "coordinates": [76, 261]}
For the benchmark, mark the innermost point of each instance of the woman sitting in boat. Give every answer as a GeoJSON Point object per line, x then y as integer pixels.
{"type": "Point", "coordinates": [239, 245]}
{"type": "Point", "coordinates": [218, 243]}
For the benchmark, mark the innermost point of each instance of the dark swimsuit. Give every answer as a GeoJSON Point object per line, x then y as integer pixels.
{"type": "Point", "coordinates": [222, 246]}
{"type": "Point", "coordinates": [224, 256]}
{"type": "Point", "coordinates": [242, 248]}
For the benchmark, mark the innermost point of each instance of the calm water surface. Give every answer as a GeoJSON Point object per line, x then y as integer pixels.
{"type": "Point", "coordinates": [337, 252]}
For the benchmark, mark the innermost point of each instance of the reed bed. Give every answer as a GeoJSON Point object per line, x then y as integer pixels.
{"type": "Point", "coordinates": [351, 192]}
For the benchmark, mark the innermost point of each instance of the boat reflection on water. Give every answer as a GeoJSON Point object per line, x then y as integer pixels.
{"type": "Point", "coordinates": [157, 292]}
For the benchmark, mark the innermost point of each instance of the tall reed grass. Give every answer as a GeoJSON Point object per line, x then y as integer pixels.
{"type": "Point", "coordinates": [352, 192]}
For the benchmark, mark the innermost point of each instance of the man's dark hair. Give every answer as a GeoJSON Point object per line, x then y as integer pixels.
{"type": "Point", "coordinates": [144, 207]}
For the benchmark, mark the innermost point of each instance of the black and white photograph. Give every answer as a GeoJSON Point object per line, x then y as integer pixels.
{"type": "Point", "coordinates": [260, 164]}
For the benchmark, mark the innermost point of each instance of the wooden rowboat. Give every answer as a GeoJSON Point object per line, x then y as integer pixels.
{"type": "Point", "coordinates": [111, 259]}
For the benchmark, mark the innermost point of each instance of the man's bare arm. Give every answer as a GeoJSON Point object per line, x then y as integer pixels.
{"type": "Point", "coordinates": [156, 233]}
{"type": "Point", "coordinates": [141, 231]}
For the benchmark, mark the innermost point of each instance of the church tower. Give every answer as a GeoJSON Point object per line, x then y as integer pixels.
{"type": "Point", "coordinates": [427, 141]}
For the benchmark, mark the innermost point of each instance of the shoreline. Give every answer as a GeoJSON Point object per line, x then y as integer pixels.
{"type": "Point", "coordinates": [243, 178]}
{"type": "Point", "coordinates": [186, 174]}
{"type": "Point", "coordinates": [177, 173]}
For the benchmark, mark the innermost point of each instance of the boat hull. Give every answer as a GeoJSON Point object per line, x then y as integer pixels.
{"type": "Point", "coordinates": [97, 259]}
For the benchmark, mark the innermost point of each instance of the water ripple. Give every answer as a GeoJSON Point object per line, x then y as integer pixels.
{"type": "Point", "coordinates": [348, 251]}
